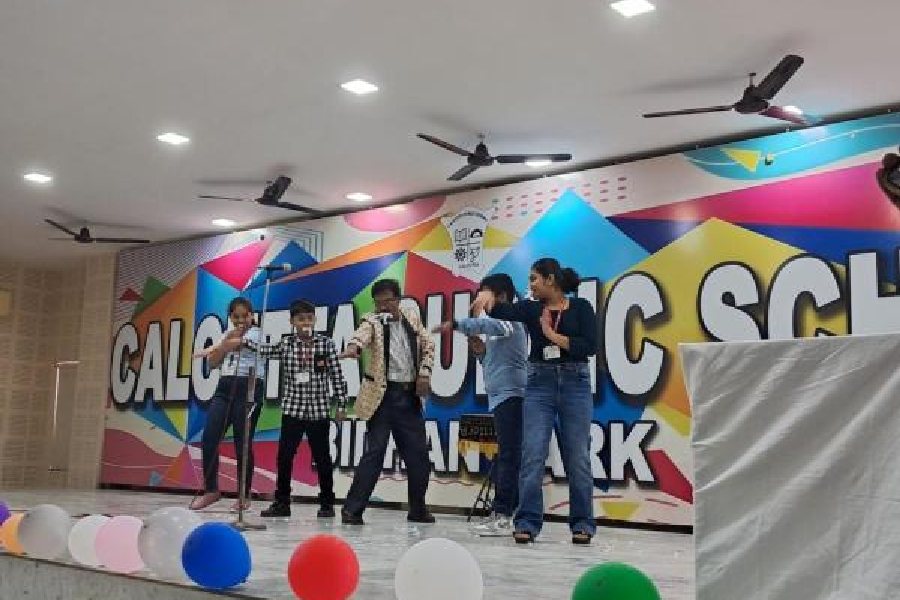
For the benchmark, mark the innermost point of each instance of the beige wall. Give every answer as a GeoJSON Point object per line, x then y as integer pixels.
{"type": "Point", "coordinates": [55, 315]}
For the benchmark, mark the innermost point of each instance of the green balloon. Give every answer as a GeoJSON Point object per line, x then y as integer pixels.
{"type": "Point", "coordinates": [614, 581]}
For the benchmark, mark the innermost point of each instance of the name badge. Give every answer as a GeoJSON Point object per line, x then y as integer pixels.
{"type": "Point", "coordinates": [552, 352]}
{"type": "Point", "coordinates": [303, 377]}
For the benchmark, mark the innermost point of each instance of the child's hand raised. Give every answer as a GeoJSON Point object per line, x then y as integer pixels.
{"type": "Point", "coordinates": [236, 333]}
{"type": "Point", "coordinates": [484, 302]}
{"type": "Point", "coordinates": [351, 351]}
{"type": "Point", "coordinates": [204, 353]}
{"type": "Point", "coordinates": [445, 327]}
{"type": "Point", "coordinates": [231, 344]}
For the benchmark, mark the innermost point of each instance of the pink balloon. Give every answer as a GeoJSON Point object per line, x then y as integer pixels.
{"type": "Point", "coordinates": [117, 544]}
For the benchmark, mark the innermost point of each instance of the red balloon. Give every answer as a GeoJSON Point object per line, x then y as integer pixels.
{"type": "Point", "coordinates": [324, 567]}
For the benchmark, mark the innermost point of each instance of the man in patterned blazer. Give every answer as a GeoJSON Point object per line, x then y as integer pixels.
{"type": "Point", "coordinates": [390, 399]}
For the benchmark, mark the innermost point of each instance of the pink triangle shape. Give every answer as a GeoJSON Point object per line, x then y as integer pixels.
{"type": "Point", "coordinates": [236, 268]}
{"type": "Point", "coordinates": [843, 198]}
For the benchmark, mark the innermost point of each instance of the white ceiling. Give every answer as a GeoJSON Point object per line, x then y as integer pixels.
{"type": "Point", "coordinates": [87, 85]}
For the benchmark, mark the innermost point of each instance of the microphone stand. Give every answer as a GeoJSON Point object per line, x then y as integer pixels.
{"type": "Point", "coordinates": [240, 524]}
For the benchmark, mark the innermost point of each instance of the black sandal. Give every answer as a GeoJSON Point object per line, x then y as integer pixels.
{"type": "Point", "coordinates": [523, 537]}
{"type": "Point", "coordinates": [581, 538]}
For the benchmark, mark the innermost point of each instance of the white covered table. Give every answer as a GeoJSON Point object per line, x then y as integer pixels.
{"type": "Point", "coordinates": [796, 476]}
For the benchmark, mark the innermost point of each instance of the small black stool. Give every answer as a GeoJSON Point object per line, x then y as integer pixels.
{"type": "Point", "coordinates": [479, 430]}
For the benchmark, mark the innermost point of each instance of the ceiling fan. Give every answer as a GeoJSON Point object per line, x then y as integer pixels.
{"type": "Point", "coordinates": [482, 158]}
{"type": "Point", "coordinates": [83, 236]}
{"type": "Point", "coordinates": [271, 196]}
{"type": "Point", "coordinates": [755, 100]}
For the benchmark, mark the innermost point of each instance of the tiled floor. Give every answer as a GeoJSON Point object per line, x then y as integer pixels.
{"type": "Point", "coordinates": [546, 571]}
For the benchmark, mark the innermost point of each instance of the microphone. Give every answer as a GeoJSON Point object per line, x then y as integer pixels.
{"type": "Point", "coordinates": [275, 268]}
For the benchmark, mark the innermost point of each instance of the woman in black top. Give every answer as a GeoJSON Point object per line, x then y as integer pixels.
{"type": "Point", "coordinates": [563, 332]}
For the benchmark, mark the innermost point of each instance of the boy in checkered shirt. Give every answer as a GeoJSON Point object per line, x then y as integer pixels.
{"type": "Point", "coordinates": [309, 363]}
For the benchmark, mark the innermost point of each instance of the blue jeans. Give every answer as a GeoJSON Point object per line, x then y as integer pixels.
{"type": "Point", "coordinates": [508, 423]}
{"type": "Point", "coordinates": [557, 391]}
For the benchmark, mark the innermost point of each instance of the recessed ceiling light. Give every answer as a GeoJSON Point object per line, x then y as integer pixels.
{"type": "Point", "coordinates": [176, 139]}
{"type": "Point", "coordinates": [632, 8]}
{"type": "Point", "coordinates": [794, 110]}
{"type": "Point", "coordinates": [359, 197]}
{"type": "Point", "coordinates": [360, 87]}
{"type": "Point", "coordinates": [538, 163]}
{"type": "Point", "coordinates": [38, 178]}
{"type": "Point", "coordinates": [223, 223]}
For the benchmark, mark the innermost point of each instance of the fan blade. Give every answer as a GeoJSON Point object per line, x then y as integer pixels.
{"type": "Point", "coordinates": [106, 240]}
{"type": "Point", "coordinates": [443, 144]}
{"type": "Point", "coordinates": [464, 172]}
{"type": "Point", "coordinates": [60, 227]}
{"type": "Point", "coordinates": [522, 158]}
{"type": "Point", "coordinates": [777, 112]}
{"type": "Point", "coordinates": [689, 111]}
{"type": "Point", "coordinates": [208, 197]}
{"type": "Point", "coordinates": [71, 220]}
{"type": "Point", "coordinates": [234, 182]}
{"type": "Point", "coordinates": [779, 76]}
{"type": "Point", "coordinates": [292, 206]}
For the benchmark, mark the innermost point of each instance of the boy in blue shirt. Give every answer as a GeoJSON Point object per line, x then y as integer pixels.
{"type": "Point", "coordinates": [504, 356]}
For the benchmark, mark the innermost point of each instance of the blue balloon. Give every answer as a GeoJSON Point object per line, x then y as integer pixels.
{"type": "Point", "coordinates": [216, 556]}
{"type": "Point", "coordinates": [4, 512]}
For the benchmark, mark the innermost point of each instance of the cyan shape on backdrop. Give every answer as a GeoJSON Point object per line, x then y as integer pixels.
{"type": "Point", "coordinates": [213, 296]}
{"type": "Point", "coordinates": [797, 151]}
{"type": "Point", "coordinates": [574, 233]}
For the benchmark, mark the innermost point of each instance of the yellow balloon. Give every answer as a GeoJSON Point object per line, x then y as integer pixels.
{"type": "Point", "coordinates": [9, 537]}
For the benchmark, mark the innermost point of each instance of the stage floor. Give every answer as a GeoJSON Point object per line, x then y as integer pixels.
{"type": "Point", "coordinates": [546, 570]}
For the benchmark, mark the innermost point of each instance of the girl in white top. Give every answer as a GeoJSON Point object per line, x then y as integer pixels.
{"type": "Point", "coordinates": [228, 405]}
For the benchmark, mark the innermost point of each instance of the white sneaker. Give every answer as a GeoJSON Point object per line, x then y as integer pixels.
{"type": "Point", "coordinates": [495, 526]}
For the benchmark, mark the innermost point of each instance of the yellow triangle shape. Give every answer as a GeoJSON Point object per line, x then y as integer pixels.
{"type": "Point", "coordinates": [749, 159]}
{"type": "Point", "coordinates": [497, 238]}
{"type": "Point", "coordinates": [437, 239]}
{"type": "Point", "coordinates": [619, 511]}
{"type": "Point", "coordinates": [676, 419]}
{"type": "Point", "coordinates": [178, 417]}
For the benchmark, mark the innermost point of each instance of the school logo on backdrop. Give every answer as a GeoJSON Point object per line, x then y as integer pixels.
{"type": "Point", "coordinates": [467, 230]}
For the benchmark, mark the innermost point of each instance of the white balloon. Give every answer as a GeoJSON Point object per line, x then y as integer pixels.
{"type": "Point", "coordinates": [82, 537]}
{"type": "Point", "coordinates": [438, 569]}
{"type": "Point", "coordinates": [44, 531]}
{"type": "Point", "coordinates": [162, 539]}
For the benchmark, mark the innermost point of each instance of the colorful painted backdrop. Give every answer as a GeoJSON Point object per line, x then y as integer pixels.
{"type": "Point", "coordinates": [776, 237]}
